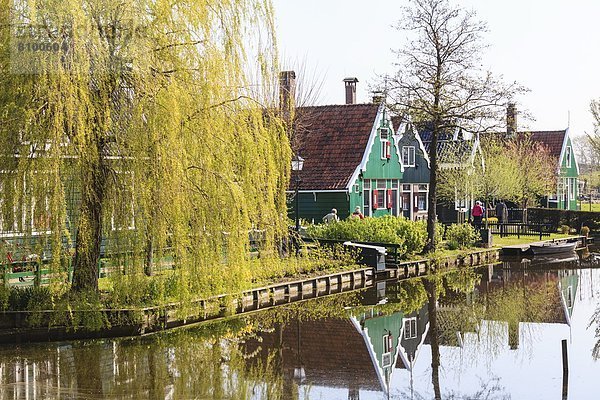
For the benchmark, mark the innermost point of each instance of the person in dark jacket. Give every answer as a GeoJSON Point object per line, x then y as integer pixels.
{"type": "Point", "coordinates": [502, 215]}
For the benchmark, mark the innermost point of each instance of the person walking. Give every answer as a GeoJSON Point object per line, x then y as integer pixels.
{"type": "Point", "coordinates": [502, 215]}
{"type": "Point", "coordinates": [477, 214]}
{"type": "Point", "coordinates": [331, 217]}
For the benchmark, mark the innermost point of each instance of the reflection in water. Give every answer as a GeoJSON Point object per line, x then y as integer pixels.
{"type": "Point", "coordinates": [420, 339]}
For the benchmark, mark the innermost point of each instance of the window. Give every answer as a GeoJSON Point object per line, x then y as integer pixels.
{"type": "Point", "coordinates": [388, 346]}
{"type": "Point", "coordinates": [422, 201]}
{"type": "Point", "coordinates": [386, 150]}
{"type": "Point", "coordinates": [386, 145]}
{"type": "Point", "coordinates": [367, 198]}
{"type": "Point", "coordinates": [422, 188]}
{"type": "Point", "coordinates": [379, 195]}
{"type": "Point", "coordinates": [569, 297]}
{"type": "Point", "coordinates": [408, 156]}
{"type": "Point", "coordinates": [572, 188]}
{"type": "Point", "coordinates": [568, 156]}
{"type": "Point", "coordinates": [384, 133]}
{"type": "Point", "coordinates": [406, 188]}
{"type": "Point", "coordinates": [410, 328]}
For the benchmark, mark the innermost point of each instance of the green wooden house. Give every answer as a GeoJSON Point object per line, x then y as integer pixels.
{"type": "Point", "coordinates": [560, 146]}
{"type": "Point", "coordinates": [351, 158]}
{"type": "Point", "coordinates": [416, 166]}
{"type": "Point", "coordinates": [456, 149]}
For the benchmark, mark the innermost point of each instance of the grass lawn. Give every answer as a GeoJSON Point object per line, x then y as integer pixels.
{"type": "Point", "coordinates": [585, 206]}
{"type": "Point", "coordinates": [512, 240]}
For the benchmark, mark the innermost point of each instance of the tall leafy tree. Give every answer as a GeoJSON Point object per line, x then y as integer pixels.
{"type": "Point", "coordinates": [142, 122]}
{"type": "Point", "coordinates": [440, 82]}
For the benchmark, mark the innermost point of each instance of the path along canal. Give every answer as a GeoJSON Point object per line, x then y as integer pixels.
{"type": "Point", "coordinates": [494, 332]}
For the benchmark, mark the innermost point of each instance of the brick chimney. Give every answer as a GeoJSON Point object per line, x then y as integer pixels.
{"type": "Point", "coordinates": [350, 84]}
{"type": "Point", "coordinates": [511, 119]}
{"type": "Point", "coordinates": [287, 90]}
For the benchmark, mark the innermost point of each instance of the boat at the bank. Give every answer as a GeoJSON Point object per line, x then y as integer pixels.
{"type": "Point", "coordinates": [552, 247]}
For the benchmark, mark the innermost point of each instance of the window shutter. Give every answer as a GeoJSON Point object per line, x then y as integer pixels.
{"type": "Point", "coordinates": [388, 150]}
{"type": "Point", "coordinates": [375, 192]}
{"type": "Point", "coordinates": [390, 199]}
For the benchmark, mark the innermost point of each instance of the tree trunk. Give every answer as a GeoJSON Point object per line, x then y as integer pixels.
{"type": "Point", "coordinates": [89, 227]}
{"type": "Point", "coordinates": [148, 259]}
{"type": "Point", "coordinates": [431, 206]}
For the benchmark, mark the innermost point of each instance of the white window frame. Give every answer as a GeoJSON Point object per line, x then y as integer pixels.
{"type": "Point", "coordinates": [411, 332]}
{"type": "Point", "coordinates": [381, 187]}
{"type": "Point", "coordinates": [419, 194]}
{"type": "Point", "coordinates": [386, 356]}
{"type": "Point", "coordinates": [408, 156]}
{"type": "Point", "coordinates": [385, 144]}
{"type": "Point", "coordinates": [568, 154]}
{"type": "Point", "coordinates": [367, 199]}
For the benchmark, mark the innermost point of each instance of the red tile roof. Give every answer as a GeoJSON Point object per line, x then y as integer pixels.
{"type": "Point", "coordinates": [332, 141]}
{"type": "Point", "coordinates": [332, 351]}
{"type": "Point", "coordinates": [553, 140]}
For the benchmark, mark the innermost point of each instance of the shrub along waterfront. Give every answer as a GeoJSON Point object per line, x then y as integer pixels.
{"type": "Point", "coordinates": [410, 235]}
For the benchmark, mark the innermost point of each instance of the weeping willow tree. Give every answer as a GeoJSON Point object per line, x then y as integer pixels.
{"type": "Point", "coordinates": [134, 132]}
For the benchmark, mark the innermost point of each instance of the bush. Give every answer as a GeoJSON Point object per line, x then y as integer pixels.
{"type": "Point", "coordinates": [460, 236]}
{"type": "Point", "coordinates": [410, 235]}
{"type": "Point", "coordinates": [564, 229]}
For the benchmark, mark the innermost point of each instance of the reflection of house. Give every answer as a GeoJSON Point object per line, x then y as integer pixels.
{"type": "Point", "coordinates": [356, 354]}
{"type": "Point", "coordinates": [557, 288]}
{"type": "Point", "coordinates": [382, 337]}
{"type": "Point", "coordinates": [350, 158]}
{"type": "Point", "coordinates": [332, 353]}
{"type": "Point", "coordinates": [415, 327]}
{"type": "Point", "coordinates": [568, 285]}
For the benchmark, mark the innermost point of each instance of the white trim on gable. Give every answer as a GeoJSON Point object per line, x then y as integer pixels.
{"type": "Point", "coordinates": [403, 127]}
{"type": "Point", "coordinates": [421, 145]}
{"type": "Point", "coordinates": [365, 158]}
{"type": "Point", "coordinates": [563, 150]}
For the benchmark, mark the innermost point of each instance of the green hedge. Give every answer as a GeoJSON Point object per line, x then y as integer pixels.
{"type": "Point", "coordinates": [410, 235]}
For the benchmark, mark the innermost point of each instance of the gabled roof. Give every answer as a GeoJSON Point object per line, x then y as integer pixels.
{"type": "Point", "coordinates": [553, 140]}
{"type": "Point", "coordinates": [332, 140]}
{"type": "Point", "coordinates": [402, 127]}
{"type": "Point", "coordinates": [454, 147]}
{"type": "Point", "coordinates": [332, 351]}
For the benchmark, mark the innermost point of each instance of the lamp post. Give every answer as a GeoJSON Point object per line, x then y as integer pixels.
{"type": "Point", "coordinates": [297, 165]}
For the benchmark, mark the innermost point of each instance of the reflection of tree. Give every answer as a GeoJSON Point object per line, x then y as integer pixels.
{"type": "Point", "coordinates": [432, 294]}
{"type": "Point", "coordinates": [596, 320]}
{"type": "Point", "coordinates": [88, 371]}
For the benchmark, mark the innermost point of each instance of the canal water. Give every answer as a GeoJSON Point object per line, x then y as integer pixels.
{"type": "Point", "coordinates": [491, 333]}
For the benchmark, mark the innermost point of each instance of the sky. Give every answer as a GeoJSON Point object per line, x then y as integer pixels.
{"type": "Point", "coordinates": [548, 46]}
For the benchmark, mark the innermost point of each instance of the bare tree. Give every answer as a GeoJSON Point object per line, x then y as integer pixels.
{"type": "Point", "coordinates": [440, 82]}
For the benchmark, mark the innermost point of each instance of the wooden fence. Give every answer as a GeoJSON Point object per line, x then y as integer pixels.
{"type": "Point", "coordinates": [519, 229]}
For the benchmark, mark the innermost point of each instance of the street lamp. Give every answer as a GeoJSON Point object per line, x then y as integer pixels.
{"type": "Point", "coordinates": [297, 165]}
